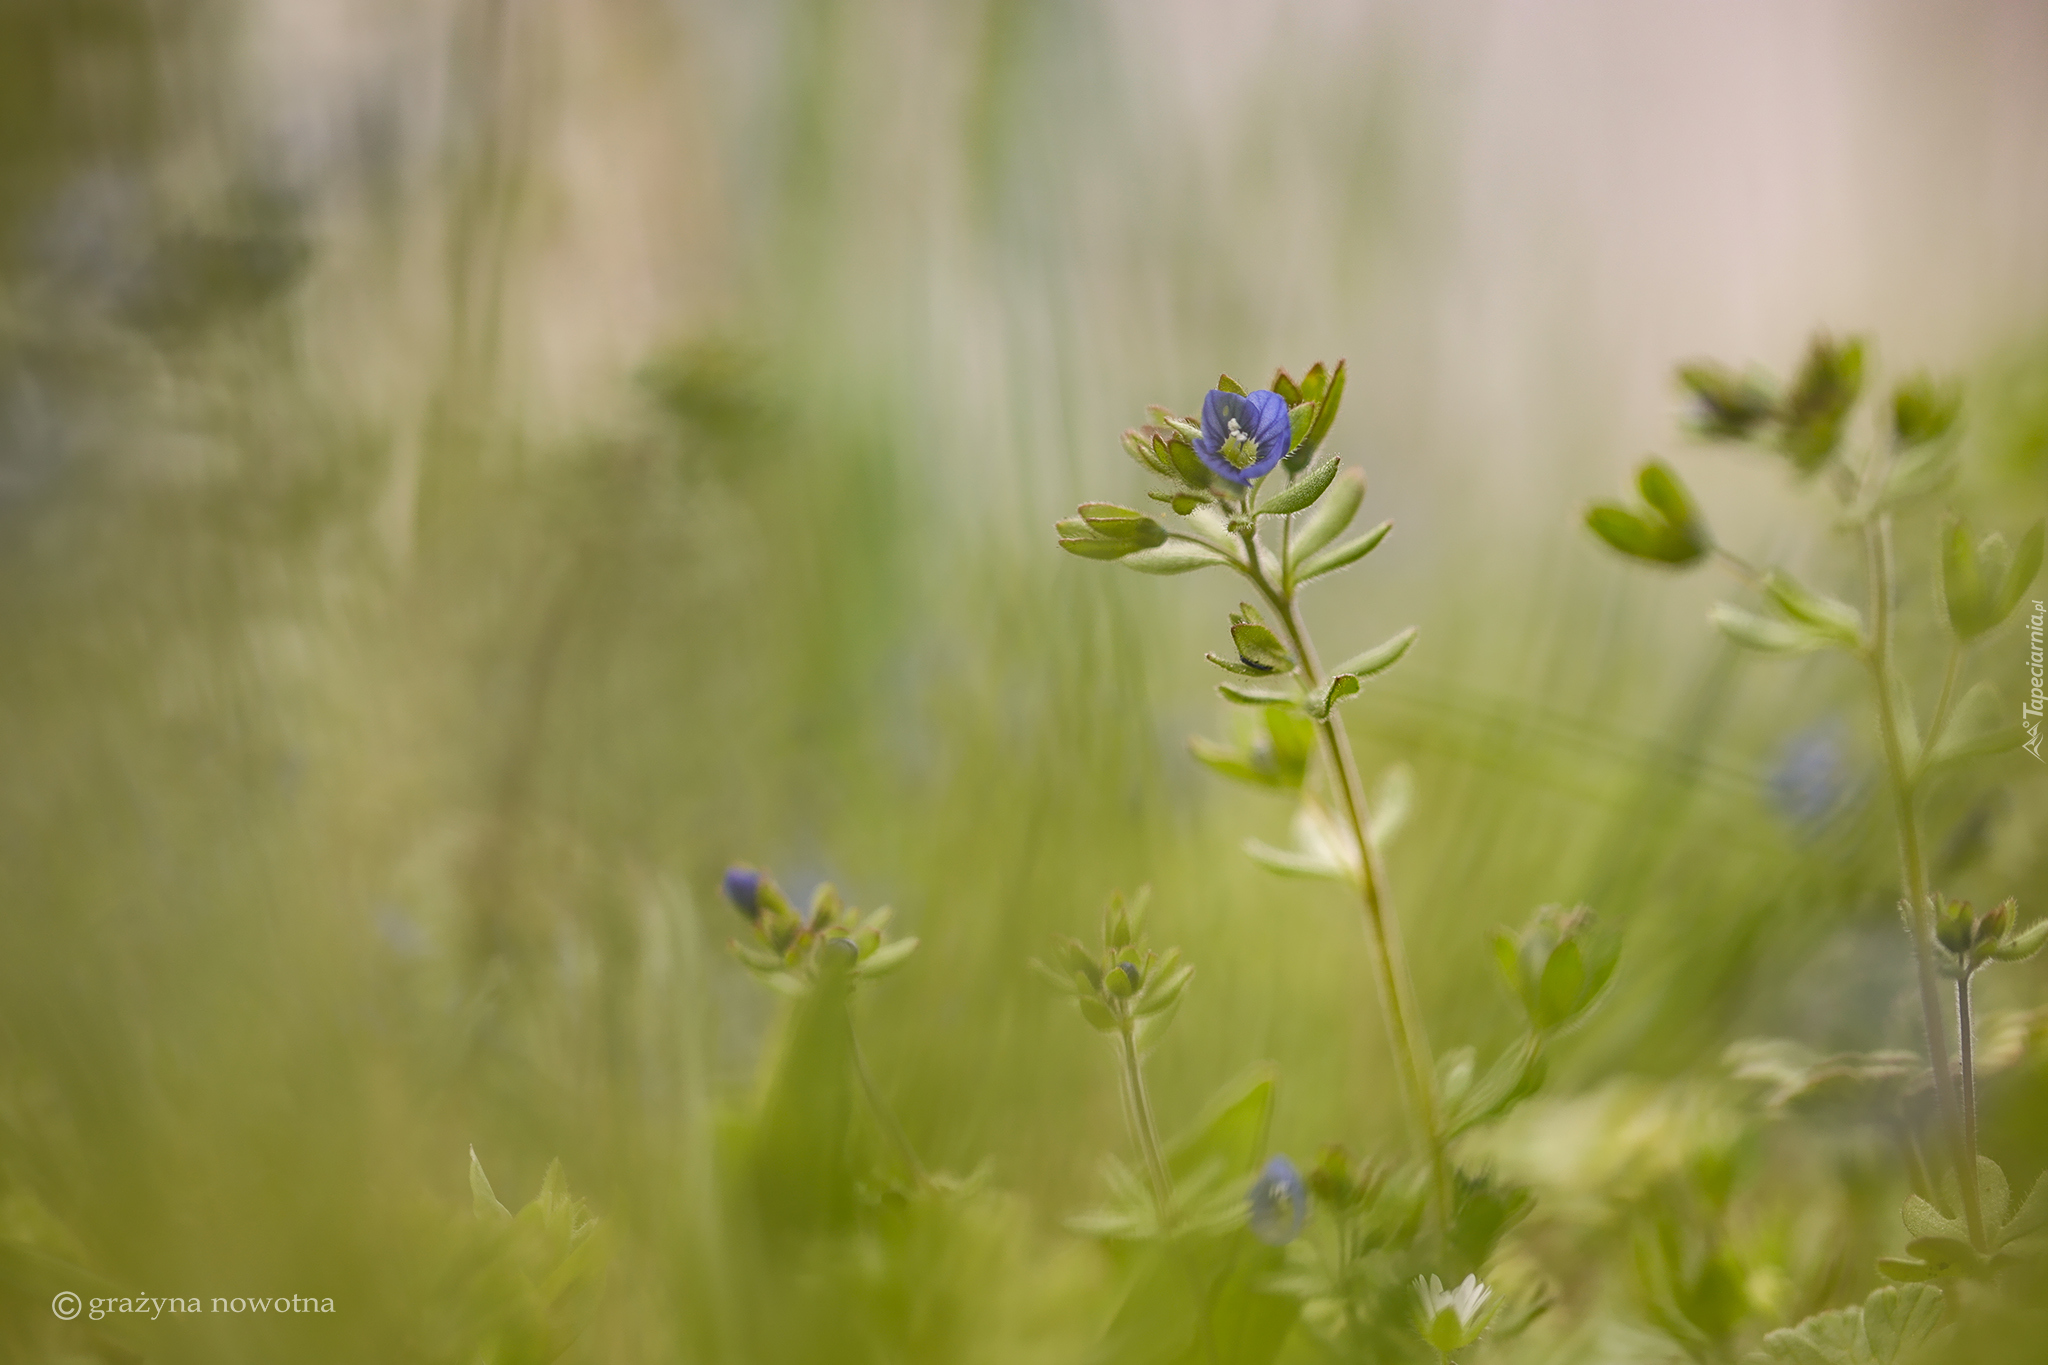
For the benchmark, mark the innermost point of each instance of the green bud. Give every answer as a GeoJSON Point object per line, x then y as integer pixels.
{"type": "Point", "coordinates": [1982, 581]}
{"type": "Point", "coordinates": [1954, 929]}
{"type": "Point", "coordinates": [1816, 408]}
{"type": "Point", "coordinates": [1259, 649]}
{"type": "Point", "coordinates": [1923, 410]}
{"type": "Point", "coordinates": [1730, 406]}
{"type": "Point", "coordinates": [1122, 523]}
{"type": "Point", "coordinates": [1993, 925]}
{"type": "Point", "coordinates": [1669, 529]}
{"type": "Point", "coordinates": [1121, 980]}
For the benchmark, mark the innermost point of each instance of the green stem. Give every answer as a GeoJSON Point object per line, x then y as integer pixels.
{"type": "Point", "coordinates": [1414, 1063]}
{"type": "Point", "coordinates": [1138, 1107]}
{"type": "Point", "coordinates": [1877, 557]}
{"type": "Point", "coordinates": [1966, 1040]}
{"type": "Point", "coordinates": [883, 1114]}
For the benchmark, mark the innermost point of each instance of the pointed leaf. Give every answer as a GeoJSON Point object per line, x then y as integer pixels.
{"type": "Point", "coordinates": [886, 958]}
{"type": "Point", "coordinates": [1380, 657]}
{"type": "Point", "coordinates": [1293, 863]}
{"type": "Point", "coordinates": [482, 1199]}
{"type": "Point", "coordinates": [2024, 945]}
{"type": "Point", "coordinates": [1763, 635]}
{"type": "Point", "coordinates": [2019, 575]}
{"type": "Point", "coordinates": [1231, 1128]}
{"type": "Point", "coordinates": [1301, 495]}
{"type": "Point", "coordinates": [1837, 621]}
{"type": "Point", "coordinates": [1260, 648]}
{"type": "Point", "coordinates": [1330, 517]}
{"type": "Point", "coordinates": [1256, 696]}
{"type": "Point", "coordinates": [1175, 556]}
{"type": "Point", "coordinates": [1328, 400]}
{"type": "Point", "coordinates": [2031, 1216]}
{"type": "Point", "coordinates": [1339, 556]}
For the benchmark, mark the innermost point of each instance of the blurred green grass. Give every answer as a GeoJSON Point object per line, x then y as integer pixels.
{"type": "Point", "coordinates": [367, 778]}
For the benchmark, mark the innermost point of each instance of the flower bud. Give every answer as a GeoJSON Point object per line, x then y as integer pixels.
{"type": "Point", "coordinates": [1278, 1203]}
{"type": "Point", "coordinates": [1954, 928]}
{"type": "Point", "coordinates": [742, 886]}
{"type": "Point", "coordinates": [1994, 924]}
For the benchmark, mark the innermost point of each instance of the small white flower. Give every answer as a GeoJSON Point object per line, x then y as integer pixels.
{"type": "Point", "coordinates": [1453, 1319]}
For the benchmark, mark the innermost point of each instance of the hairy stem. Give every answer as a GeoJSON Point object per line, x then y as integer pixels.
{"type": "Point", "coordinates": [1413, 1061]}
{"type": "Point", "coordinates": [1966, 1041]}
{"type": "Point", "coordinates": [1920, 912]}
{"type": "Point", "coordinates": [1138, 1107]}
{"type": "Point", "coordinates": [884, 1115]}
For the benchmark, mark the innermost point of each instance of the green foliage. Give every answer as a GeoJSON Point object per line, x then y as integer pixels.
{"type": "Point", "coordinates": [1891, 1327]}
{"type": "Point", "coordinates": [1666, 529]}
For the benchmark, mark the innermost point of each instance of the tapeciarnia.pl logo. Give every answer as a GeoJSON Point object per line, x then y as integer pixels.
{"type": "Point", "coordinates": [2030, 712]}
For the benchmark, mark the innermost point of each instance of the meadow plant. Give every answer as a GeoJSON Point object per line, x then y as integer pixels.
{"type": "Point", "coordinates": [1965, 1228]}
{"type": "Point", "coordinates": [1248, 487]}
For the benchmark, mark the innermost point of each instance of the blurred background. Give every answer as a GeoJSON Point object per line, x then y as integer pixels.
{"type": "Point", "coordinates": [470, 469]}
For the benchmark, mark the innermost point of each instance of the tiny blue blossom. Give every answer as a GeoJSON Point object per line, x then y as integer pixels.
{"type": "Point", "coordinates": [742, 886]}
{"type": "Point", "coordinates": [1244, 434]}
{"type": "Point", "coordinates": [1279, 1203]}
{"type": "Point", "coordinates": [1812, 777]}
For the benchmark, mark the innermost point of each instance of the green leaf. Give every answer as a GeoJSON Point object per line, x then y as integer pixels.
{"type": "Point", "coordinates": [1258, 647]}
{"type": "Point", "coordinates": [1561, 992]}
{"type": "Point", "coordinates": [2032, 1214]}
{"type": "Point", "coordinates": [1229, 385]}
{"type": "Point", "coordinates": [1892, 1327]}
{"type": "Point", "coordinates": [1994, 1193]}
{"type": "Point", "coordinates": [1293, 863]}
{"type": "Point", "coordinates": [1332, 514]}
{"type": "Point", "coordinates": [1923, 410]}
{"type": "Point", "coordinates": [1922, 1219]}
{"type": "Point", "coordinates": [886, 958]}
{"type": "Point", "coordinates": [1764, 635]}
{"type": "Point", "coordinates": [1257, 696]}
{"type": "Point", "coordinates": [2019, 575]}
{"type": "Point", "coordinates": [1327, 402]}
{"type": "Point", "coordinates": [1978, 726]}
{"type": "Point", "coordinates": [1392, 798]}
{"type": "Point", "coordinates": [1335, 689]}
{"type": "Point", "coordinates": [1094, 546]}
{"type": "Point", "coordinates": [1097, 1014]}
{"type": "Point", "coordinates": [2022, 946]}
{"type": "Point", "coordinates": [1962, 583]}
{"type": "Point", "coordinates": [1176, 556]}
{"type": "Point", "coordinates": [1836, 621]}
{"type": "Point", "coordinates": [1122, 523]}
{"type": "Point", "coordinates": [1231, 1129]}
{"type": "Point", "coordinates": [1380, 657]}
{"type": "Point", "coordinates": [1234, 764]}
{"type": "Point", "coordinates": [1339, 556]}
{"type": "Point", "coordinates": [1302, 493]}
{"type": "Point", "coordinates": [482, 1199]}
{"type": "Point", "coordinates": [1669, 530]}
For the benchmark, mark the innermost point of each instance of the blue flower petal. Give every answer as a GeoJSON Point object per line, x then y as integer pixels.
{"type": "Point", "coordinates": [1260, 419]}
{"type": "Point", "coordinates": [1279, 1203]}
{"type": "Point", "coordinates": [742, 886]}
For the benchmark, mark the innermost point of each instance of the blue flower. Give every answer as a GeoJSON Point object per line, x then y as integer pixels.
{"type": "Point", "coordinates": [1279, 1203]}
{"type": "Point", "coordinates": [1243, 434]}
{"type": "Point", "coordinates": [742, 886]}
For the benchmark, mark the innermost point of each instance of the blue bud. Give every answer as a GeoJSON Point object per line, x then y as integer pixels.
{"type": "Point", "coordinates": [742, 886]}
{"type": "Point", "coordinates": [1279, 1203]}
{"type": "Point", "coordinates": [1244, 434]}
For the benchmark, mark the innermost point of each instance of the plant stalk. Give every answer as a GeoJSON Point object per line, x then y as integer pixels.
{"type": "Point", "coordinates": [1414, 1063]}
{"type": "Point", "coordinates": [1967, 1043]}
{"type": "Point", "coordinates": [1877, 558]}
{"type": "Point", "coordinates": [884, 1115]}
{"type": "Point", "coordinates": [1138, 1107]}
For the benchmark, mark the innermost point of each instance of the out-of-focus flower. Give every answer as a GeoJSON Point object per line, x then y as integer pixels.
{"type": "Point", "coordinates": [1812, 779]}
{"type": "Point", "coordinates": [1279, 1203]}
{"type": "Point", "coordinates": [1243, 434]}
{"type": "Point", "coordinates": [1451, 1320]}
{"type": "Point", "coordinates": [742, 886]}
